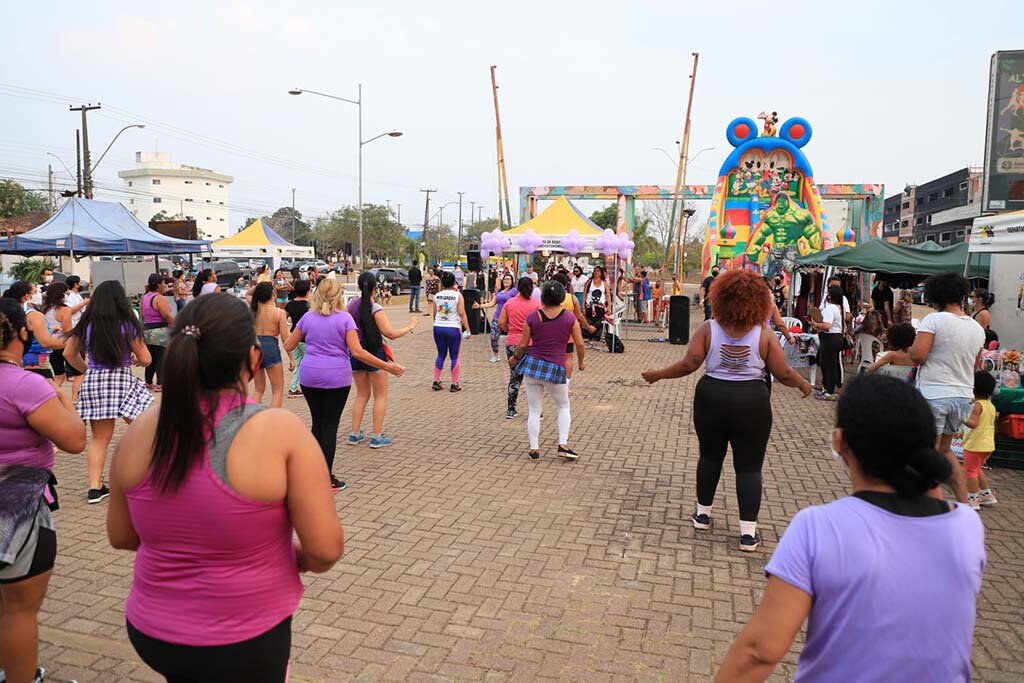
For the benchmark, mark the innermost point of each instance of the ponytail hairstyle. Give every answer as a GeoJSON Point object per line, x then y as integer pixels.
{"type": "Point", "coordinates": [54, 296]}
{"type": "Point", "coordinates": [890, 429]}
{"type": "Point", "coordinates": [19, 290]}
{"type": "Point", "coordinates": [12, 320]}
{"type": "Point", "coordinates": [197, 286]}
{"type": "Point", "coordinates": [372, 339]}
{"type": "Point", "coordinates": [108, 325]}
{"type": "Point", "coordinates": [208, 352]}
{"type": "Point", "coordinates": [263, 293]}
{"type": "Point", "coordinates": [525, 286]}
{"type": "Point", "coordinates": [985, 297]}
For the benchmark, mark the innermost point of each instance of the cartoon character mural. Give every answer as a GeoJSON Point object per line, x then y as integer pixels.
{"type": "Point", "coordinates": [766, 208]}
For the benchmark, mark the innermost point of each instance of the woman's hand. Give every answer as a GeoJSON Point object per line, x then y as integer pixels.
{"type": "Point", "coordinates": [513, 361]}
{"type": "Point", "coordinates": [291, 364]}
{"type": "Point", "coordinates": [806, 389]}
{"type": "Point", "coordinates": [476, 304]}
{"type": "Point", "coordinates": [651, 376]}
{"type": "Point", "coordinates": [413, 322]}
{"type": "Point", "coordinates": [395, 369]}
{"type": "Point", "coordinates": [581, 366]}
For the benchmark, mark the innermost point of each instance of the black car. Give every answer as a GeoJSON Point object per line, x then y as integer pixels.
{"type": "Point", "coordinates": [228, 273]}
{"type": "Point", "coordinates": [398, 278]}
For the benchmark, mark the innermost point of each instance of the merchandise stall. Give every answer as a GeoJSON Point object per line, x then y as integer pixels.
{"type": "Point", "coordinates": [259, 241]}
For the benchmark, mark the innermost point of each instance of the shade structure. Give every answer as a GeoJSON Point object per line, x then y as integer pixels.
{"type": "Point", "coordinates": [554, 223]}
{"type": "Point", "coordinates": [999, 234]}
{"type": "Point", "coordinates": [880, 256]}
{"type": "Point", "coordinates": [87, 227]}
{"type": "Point", "coordinates": [258, 240]}
{"type": "Point", "coordinates": [820, 258]}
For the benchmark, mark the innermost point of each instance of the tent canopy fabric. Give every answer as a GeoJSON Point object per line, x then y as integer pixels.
{"type": "Point", "coordinates": [1002, 233]}
{"type": "Point", "coordinates": [879, 256]}
{"type": "Point", "coordinates": [820, 258]}
{"type": "Point", "coordinates": [258, 240]}
{"type": "Point", "coordinates": [87, 227]}
{"type": "Point", "coordinates": [558, 219]}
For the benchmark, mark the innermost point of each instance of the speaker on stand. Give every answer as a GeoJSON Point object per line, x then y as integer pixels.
{"type": "Point", "coordinates": [474, 315]}
{"type": "Point", "coordinates": [679, 320]}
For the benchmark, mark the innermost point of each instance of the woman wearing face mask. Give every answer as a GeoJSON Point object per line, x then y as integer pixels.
{"type": "Point", "coordinates": [33, 419]}
{"type": "Point", "coordinates": [41, 342]}
{"type": "Point", "coordinates": [156, 318]}
{"type": "Point", "coordinates": [888, 552]}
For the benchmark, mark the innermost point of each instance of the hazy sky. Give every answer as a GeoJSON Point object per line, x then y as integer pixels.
{"type": "Point", "coordinates": [895, 91]}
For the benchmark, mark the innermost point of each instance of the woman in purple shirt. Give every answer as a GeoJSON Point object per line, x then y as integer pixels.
{"type": "Point", "coordinates": [540, 358]}
{"type": "Point", "coordinates": [33, 417]}
{"type": "Point", "coordinates": [332, 341]}
{"type": "Point", "coordinates": [497, 302]}
{"type": "Point", "coordinates": [886, 578]}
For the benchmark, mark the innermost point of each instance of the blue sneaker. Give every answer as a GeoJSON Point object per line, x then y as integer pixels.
{"type": "Point", "coordinates": [356, 438]}
{"type": "Point", "coordinates": [380, 441]}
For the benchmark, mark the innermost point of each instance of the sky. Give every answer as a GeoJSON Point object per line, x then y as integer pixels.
{"type": "Point", "coordinates": [895, 91]}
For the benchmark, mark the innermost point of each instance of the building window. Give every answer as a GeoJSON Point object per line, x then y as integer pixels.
{"type": "Point", "coordinates": [959, 234]}
{"type": "Point", "coordinates": [944, 237]}
{"type": "Point", "coordinates": [950, 192]}
{"type": "Point", "coordinates": [207, 184]}
{"type": "Point", "coordinates": [928, 219]}
{"type": "Point", "coordinates": [919, 220]}
{"type": "Point", "coordinates": [156, 181]}
{"type": "Point", "coordinates": [221, 186]}
{"type": "Point", "coordinates": [905, 205]}
{"type": "Point", "coordinates": [188, 182]}
{"type": "Point", "coordinates": [933, 197]}
{"type": "Point", "coordinates": [919, 202]}
{"type": "Point", "coordinates": [156, 200]}
{"type": "Point", "coordinates": [963, 185]}
{"type": "Point", "coordinates": [188, 200]}
{"type": "Point", "coordinates": [221, 203]}
{"type": "Point", "coordinates": [221, 220]}
{"type": "Point", "coordinates": [929, 238]}
{"type": "Point", "coordinates": [903, 223]}
{"type": "Point", "coordinates": [129, 183]}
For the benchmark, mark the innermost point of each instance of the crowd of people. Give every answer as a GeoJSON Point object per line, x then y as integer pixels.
{"type": "Point", "coordinates": [208, 486]}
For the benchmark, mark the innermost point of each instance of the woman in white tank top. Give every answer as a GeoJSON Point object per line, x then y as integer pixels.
{"type": "Point", "coordinates": [449, 322]}
{"type": "Point", "coordinates": [731, 405]}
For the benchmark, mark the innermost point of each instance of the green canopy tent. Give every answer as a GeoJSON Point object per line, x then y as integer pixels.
{"type": "Point", "coordinates": [821, 258]}
{"type": "Point", "coordinates": [905, 266]}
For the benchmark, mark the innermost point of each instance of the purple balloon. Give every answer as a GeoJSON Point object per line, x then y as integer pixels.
{"type": "Point", "coordinates": [530, 241]}
{"type": "Point", "coordinates": [573, 243]}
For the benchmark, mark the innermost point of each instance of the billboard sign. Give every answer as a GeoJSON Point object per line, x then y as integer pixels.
{"type": "Point", "coordinates": [1004, 140]}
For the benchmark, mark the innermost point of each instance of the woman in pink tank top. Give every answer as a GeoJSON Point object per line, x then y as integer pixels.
{"type": "Point", "coordinates": [208, 492]}
{"type": "Point", "coordinates": [731, 405]}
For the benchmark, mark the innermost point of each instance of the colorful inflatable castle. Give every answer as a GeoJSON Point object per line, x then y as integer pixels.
{"type": "Point", "coordinates": [766, 209]}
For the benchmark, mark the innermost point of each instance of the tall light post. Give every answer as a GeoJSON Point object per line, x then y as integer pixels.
{"type": "Point", "coordinates": [394, 134]}
{"type": "Point", "coordinates": [460, 220]}
{"type": "Point", "coordinates": [93, 167]}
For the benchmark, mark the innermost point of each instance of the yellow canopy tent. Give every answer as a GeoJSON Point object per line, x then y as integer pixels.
{"type": "Point", "coordinates": [554, 223]}
{"type": "Point", "coordinates": [258, 240]}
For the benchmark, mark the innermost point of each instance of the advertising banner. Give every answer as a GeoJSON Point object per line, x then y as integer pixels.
{"type": "Point", "coordinates": [1004, 142]}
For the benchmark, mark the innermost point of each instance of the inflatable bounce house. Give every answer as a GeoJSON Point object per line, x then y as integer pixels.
{"type": "Point", "coordinates": [766, 209]}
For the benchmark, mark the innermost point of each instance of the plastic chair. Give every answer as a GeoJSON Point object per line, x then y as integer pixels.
{"type": "Point", "coordinates": [789, 322]}
{"type": "Point", "coordinates": [865, 351]}
{"type": "Point", "coordinates": [615, 327]}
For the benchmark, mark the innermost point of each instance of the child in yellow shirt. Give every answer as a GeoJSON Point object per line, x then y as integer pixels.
{"type": "Point", "coordinates": [981, 441]}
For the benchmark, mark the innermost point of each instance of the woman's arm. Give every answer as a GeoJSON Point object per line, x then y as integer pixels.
{"type": "Point", "coordinates": [922, 347]}
{"type": "Point", "coordinates": [503, 320]}
{"type": "Point", "coordinates": [775, 361]}
{"type": "Point", "coordinates": [121, 531]}
{"type": "Point", "coordinates": [769, 634]}
{"type": "Point", "coordinates": [524, 343]}
{"type": "Point", "coordinates": [361, 354]}
{"type": "Point", "coordinates": [163, 308]}
{"type": "Point", "coordinates": [492, 301]}
{"type": "Point", "coordinates": [293, 339]}
{"type": "Point", "coordinates": [73, 353]}
{"type": "Point", "coordinates": [384, 325]}
{"type": "Point", "coordinates": [282, 332]}
{"type": "Point", "coordinates": [693, 359]}
{"type": "Point", "coordinates": [577, 340]}
{"type": "Point", "coordinates": [58, 421]}
{"type": "Point", "coordinates": [37, 323]}
{"type": "Point", "coordinates": [884, 360]}
{"type": "Point", "coordinates": [138, 347]}
{"type": "Point", "coordinates": [64, 316]}
{"type": "Point", "coordinates": [780, 324]}
{"type": "Point", "coordinates": [462, 313]}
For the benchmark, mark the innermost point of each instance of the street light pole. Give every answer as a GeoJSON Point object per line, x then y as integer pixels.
{"type": "Point", "coordinates": [293, 215]}
{"type": "Point", "coordinates": [134, 125]}
{"type": "Point", "coordinates": [460, 220]}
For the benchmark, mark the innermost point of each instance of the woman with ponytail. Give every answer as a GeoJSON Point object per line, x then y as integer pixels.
{"type": "Point", "coordinates": [271, 325]}
{"type": "Point", "coordinates": [981, 302]}
{"type": "Point", "coordinates": [208, 490]}
{"type": "Point", "coordinates": [206, 283]}
{"type": "Point", "coordinates": [373, 326]}
{"type": "Point", "coordinates": [867, 569]}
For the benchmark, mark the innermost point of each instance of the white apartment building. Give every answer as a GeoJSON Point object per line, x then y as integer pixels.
{"type": "Point", "coordinates": [156, 183]}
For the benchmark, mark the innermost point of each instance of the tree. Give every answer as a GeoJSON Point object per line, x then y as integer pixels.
{"type": "Point", "coordinates": [160, 215]}
{"type": "Point", "coordinates": [281, 222]}
{"type": "Point", "coordinates": [471, 231]}
{"type": "Point", "coordinates": [441, 243]}
{"type": "Point", "coordinates": [606, 218]}
{"type": "Point", "coordinates": [382, 236]}
{"type": "Point", "coordinates": [15, 200]}
{"type": "Point", "coordinates": [31, 270]}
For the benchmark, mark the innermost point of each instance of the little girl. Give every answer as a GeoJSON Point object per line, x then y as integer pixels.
{"type": "Point", "coordinates": [896, 361]}
{"type": "Point", "coordinates": [980, 442]}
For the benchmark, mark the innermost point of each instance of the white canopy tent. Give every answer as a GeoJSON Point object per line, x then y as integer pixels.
{"type": "Point", "coordinates": [1002, 235]}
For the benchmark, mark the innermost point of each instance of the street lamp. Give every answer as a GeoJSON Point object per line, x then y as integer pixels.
{"type": "Point", "coordinates": [134, 125]}
{"type": "Point", "coordinates": [394, 134]}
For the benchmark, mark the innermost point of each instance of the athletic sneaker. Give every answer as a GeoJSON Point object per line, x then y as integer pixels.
{"type": "Point", "coordinates": [96, 495]}
{"type": "Point", "coordinates": [511, 414]}
{"type": "Point", "coordinates": [337, 484]}
{"type": "Point", "coordinates": [567, 453]}
{"type": "Point", "coordinates": [380, 441]}
{"type": "Point", "coordinates": [987, 499]}
{"type": "Point", "coordinates": [750, 543]}
{"type": "Point", "coordinates": [534, 455]}
{"type": "Point", "coordinates": [294, 394]}
{"type": "Point", "coordinates": [455, 387]}
{"type": "Point", "coordinates": [437, 386]}
{"type": "Point", "coordinates": [356, 438]}
{"type": "Point", "coordinates": [973, 502]}
{"type": "Point", "coordinates": [701, 521]}
{"type": "Point", "coordinates": [494, 359]}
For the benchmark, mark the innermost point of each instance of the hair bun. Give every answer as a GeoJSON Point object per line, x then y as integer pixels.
{"type": "Point", "coordinates": [930, 465]}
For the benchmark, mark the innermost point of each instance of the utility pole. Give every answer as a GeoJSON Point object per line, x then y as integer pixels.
{"type": "Point", "coordinates": [87, 163]}
{"type": "Point", "coordinates": [502, 175]}
{"type": "Point", "coordinates": [49, 187]}
{"type": "Point", "coordinates": [399, 217]}
{"type": "Point", "coordinates": [78, 159]}
{"type": "Point", "coordinates": [426, 219]}
{"type": "Point", "coordinates": [293, 215]}
{"type": "Point", "coordinates": [460, 220]}
{"type": "Point", "coordinates": [684, 160]}
{"type": "Point", "coordinates": [472, 213]}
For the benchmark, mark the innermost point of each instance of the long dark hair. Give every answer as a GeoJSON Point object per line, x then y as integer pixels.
{"type": "Point", "coordinates": [18, 290]}
{"type": "Point", "coordinates": [12, 320]}
{"type": "Point", "coordinates": [207, 353]}
{"type": "Point", "coordinates": [263, 293]}
{"type": "Point", "coordinates": [54, 296]}
{"type": "Point", "coordinates": [372, 339]}
{"type": "Point", "coordinates": [525, 286]}
{"type": "Point", "coordinates": [197, 286]}
{"type": "Point", "coordinates": [890, 429]}
{"type": "Point", "coordinates": [108, 325]}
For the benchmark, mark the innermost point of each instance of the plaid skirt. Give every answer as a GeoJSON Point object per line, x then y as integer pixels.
{"type": "Point", "coordinates": [111, 393]}
{"type": "Point", "coordinates": [544, 370]}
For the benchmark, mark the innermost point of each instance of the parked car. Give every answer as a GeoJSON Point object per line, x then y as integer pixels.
{"type": "Point", "coordinates": [398, 278]}
{"type": "Point", "coordinates": [228, 273]}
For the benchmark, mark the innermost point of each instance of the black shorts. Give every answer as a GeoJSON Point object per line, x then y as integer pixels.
{"type": "Point", "coordinates": [570, 347]}
{"type": "Point", "coordinates": [263, 659]}
{"type": "Point", "coordinates": [44, 558]}
{"type": "Point", "coordinates": [360, 366]}
{"type": "Point", "coordinates": [61, 366]}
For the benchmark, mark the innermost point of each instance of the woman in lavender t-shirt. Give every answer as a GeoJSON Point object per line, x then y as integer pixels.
{"type": "Point", "coordinates": [886, 578]}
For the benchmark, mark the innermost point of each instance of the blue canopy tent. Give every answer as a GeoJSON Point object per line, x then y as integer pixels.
{"type": "Point", "coordinates": [86, 227]}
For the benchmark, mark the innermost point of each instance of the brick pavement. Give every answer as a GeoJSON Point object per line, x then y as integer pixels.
{"type": "Point", "coordinates": [465, 561]}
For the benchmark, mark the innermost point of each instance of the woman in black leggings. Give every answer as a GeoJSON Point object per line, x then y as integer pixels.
{"type": "Point", "coordinates": [830, 336]}
{"type": "Point", "coordinates": [731, 406]}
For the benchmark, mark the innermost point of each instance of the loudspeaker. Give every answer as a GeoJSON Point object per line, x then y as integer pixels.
{"type": "Point", "coordinates": [473, 260]}
{"type": "Point", "coordinates": [475, 315]}
{"type": "Point", "coordinates": [679, 320]}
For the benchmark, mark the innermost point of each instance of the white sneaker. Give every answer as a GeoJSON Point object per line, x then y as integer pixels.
{"type": "Point", "coordinates": [494, 359]}
{"type": "Point", "coordinates": [973, 502]}
{"type": "Point", "coordinates": [987, 499]}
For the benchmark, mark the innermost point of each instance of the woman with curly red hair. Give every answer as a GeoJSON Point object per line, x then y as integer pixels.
{"type": "Point", "coordinates": [731, 405]}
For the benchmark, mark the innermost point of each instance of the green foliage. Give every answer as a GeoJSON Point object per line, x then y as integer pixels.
{"type": "Point", "coordinates": [32, 269]}
{"type": "Point", "coordinates": [441, 243]}
{"type": "Point", "coordinates": [281, 222]}
{"type": "Point", "coordinates": [471, 231]}
{"type": "Point", "coordinates": [382, 236]}
{"type": "Point", "coordinates": [607, 217]}
{"type": "Point", "coordinates": [161, 215]}
{"type": "Point", "coordinates": [15, 200]}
